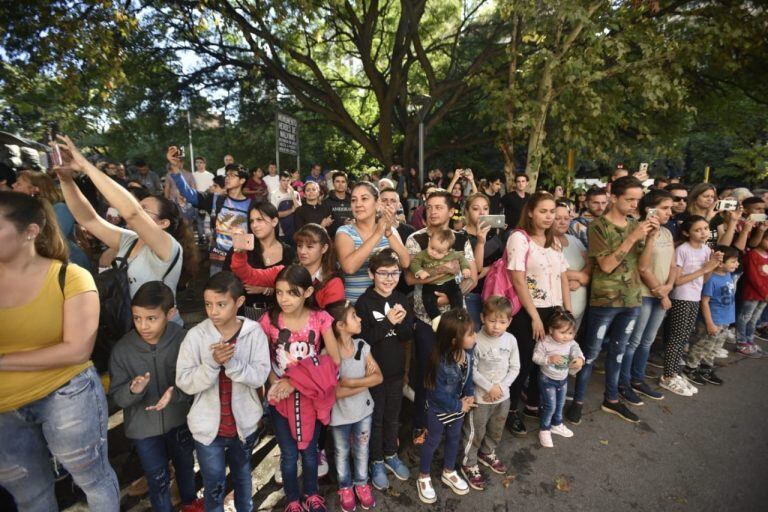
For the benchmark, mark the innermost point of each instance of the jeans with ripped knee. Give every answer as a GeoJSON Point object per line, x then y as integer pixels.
{"type": "Point", "coordinates": [214, 459]}
{"type": "Point", "coordinates": [615, 324]}
{"type": "Point", "coordinates": [353, 438]}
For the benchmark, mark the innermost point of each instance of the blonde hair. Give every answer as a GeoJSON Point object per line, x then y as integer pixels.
{"type": "Point", "coordinates": [44, 184]}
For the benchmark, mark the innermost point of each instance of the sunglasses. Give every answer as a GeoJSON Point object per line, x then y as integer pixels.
{"type": "Point", "coordinates": [680, 199]}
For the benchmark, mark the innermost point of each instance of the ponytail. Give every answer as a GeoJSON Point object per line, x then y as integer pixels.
{"type": "Point", "coordinates": [23, 210]}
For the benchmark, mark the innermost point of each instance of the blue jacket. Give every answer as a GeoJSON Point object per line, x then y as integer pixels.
{"type": "Point", "coordinates": [451, 386]}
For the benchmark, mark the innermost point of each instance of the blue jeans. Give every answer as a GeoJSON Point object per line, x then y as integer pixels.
{"type": "Point", "coordinates": [747, 319]}
{"type": "Point", "coordinates": [353, 437]}
{"type": "Point", "coordinates": [435, 430]}
{"type": "Point", "coordinates": [615, 324]}
{"type": "Point", "coordinates": [639, 346]}
{"type": "Point", "coordinates": [71, 423]}
{"type": "Point", "coordinates": [474, 304]}
{"type": "Point", "coordinates": [552, 399]}
{"type": "Point", "coordinates": [289, 456]}
{"type": "Point", "coordinates": [424, 340]}
{"type": "Point", "coordinates": [154, 452]}
{"type": "Point", "coordinates": [214, 459]}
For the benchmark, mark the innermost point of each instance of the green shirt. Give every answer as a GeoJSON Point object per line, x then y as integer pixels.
{"type": "Point", "coordinates": [622, 287]}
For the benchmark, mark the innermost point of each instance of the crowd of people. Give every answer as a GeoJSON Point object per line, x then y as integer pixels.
{"type": "Point", "coordinates": [330, 300]}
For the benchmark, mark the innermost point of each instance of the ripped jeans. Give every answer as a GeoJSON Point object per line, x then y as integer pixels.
{"type": "Point", "coordinates": [616, 325]}
{"type": "Point", "coordinates": [214, 459]}
{"type": "Point", "coordinates": [71, 422]}
{"type": "Point", "coordinates": [353, 437]}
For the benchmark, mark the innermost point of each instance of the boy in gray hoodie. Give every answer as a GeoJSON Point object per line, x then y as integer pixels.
{"type": "Point", "coordinates": [223, 362]}
{"type": "Point", "coordinates": [142, 370]}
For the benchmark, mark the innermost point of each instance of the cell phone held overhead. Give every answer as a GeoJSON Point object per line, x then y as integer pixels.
{"type": "Point", "coordinates": [726, 205]}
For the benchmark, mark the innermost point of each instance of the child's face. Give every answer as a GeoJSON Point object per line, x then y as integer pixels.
{"type": "Point", "coordinates": [150, 322]}
{"type": "Point", "coordinates": [385, 279]}
{"type": "Point", "coordinates": [563, 334]}
{"type": "Point", "coordinates": [495, 324]}
{"type": "Point", "coordinates": [437, 249]}
{"type": "Point", "coordinates": [699, 232]}
{"type": "Point", "coordinates": [730, 265]}
{"type": "Point", "coordinates": [469, 339]}
{"type": "Point", "coordinates": [288, 300]}
{"type": "Point", "coordinates": [352, 323]}
{"type": "Point", "coordinates": [221, 308]}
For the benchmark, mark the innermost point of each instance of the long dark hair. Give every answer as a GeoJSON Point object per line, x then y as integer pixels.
{"type": "Point", "coordinates": [684, 233]}
{"type": "Point", "coordinates": [180, 230]}
{"type": "Point", "coordinates": [317, 234]}
{"type": "Point", "coordinates": [22, 210]}
{"type": "Point", "coordinates": [526, 221]}
{"type": "Point", "coordinates": [454, 325]}
{"type": "Point", "coordinates": [267, 209]}
{"type": "Point", "coordinates": [299, 280]}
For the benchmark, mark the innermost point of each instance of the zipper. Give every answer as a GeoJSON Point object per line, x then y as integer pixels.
{"type": "Point", "coordinates": [157, 386]}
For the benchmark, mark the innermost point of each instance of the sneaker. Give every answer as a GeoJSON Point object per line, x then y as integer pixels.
{"type": "Point", "coordinates": [721, 353]}
{"type": "Point", "coordinates": [573, 414]}
{"type": "Point", "coordinates": [562, 430]}
{"type": "Point", "coordinates": [322, 464]}
{"type": "Point", "coordinates": [455, 482]}
{"type": "Point", "coordinates": [474, 478]}
{"type": "Point", "coordinates": [294, 506]}
{"type": "Point", "coordinates": [620, 410]}
{"type": "Point", "coordinates": [419, 436]}
{"type": "Point", "coordinates": [675, 385]}
{"type": "Point", "coordinates": [365, 496]}
{"type": "Point", "coordinates": [515, 425]}
{"type": "Point", "coordinates": [315, 503]}
{"type": "Point", "coordinates": [708, 374]}
{"type": "Point", "coordinates": [646, 390]}
{"type": "Point", "coordinates": [629, 396]}
{"type": "Point", "coordinates": [196, 506]}
{"type": "Point", "coordinates": [347, 499]}
{"type": "Point", "coordinates": [693, 389]}
{"type": "Point", "coordinates": [493, 462]}
{"type": "Point", "coordinates": [748, 349]}
{"type": "Point", "coordinates": [426, 491]}
{"type": "Point", "coordinates": [692, 374]}
{"type": "Point", "coordinates": [545, 439]}
{"type": "Point", "coordinates": [379, 476]}
{"type": "Point", "coordinates": [397, 467]}
{"type": "Point", "coordinates": [531, 412]}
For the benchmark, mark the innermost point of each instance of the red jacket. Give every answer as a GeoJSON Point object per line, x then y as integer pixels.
{"type": "Point", "coordinates": [332, 291]}
{"type": "Point", "coordinates": [315, 380]}
{"type": "Point", "coordinates": [755, 276]}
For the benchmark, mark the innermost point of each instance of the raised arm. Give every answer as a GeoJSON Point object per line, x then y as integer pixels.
{"type": "Point", "coordinates": [609, 262]}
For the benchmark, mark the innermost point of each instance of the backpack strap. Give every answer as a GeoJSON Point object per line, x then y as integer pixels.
{"type": "Point", "coordinates": [121, 261]}
{"type": "Point", "coordinates": [173, 264]}
{"type": "Point", "coordinates": [218, 204]}
{"type": "Point", "coordinates": [63, 276]}
{"type": "Point", "coordinates": [359, 351]}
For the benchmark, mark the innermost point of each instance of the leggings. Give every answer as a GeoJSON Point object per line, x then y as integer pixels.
{"type": "Point", "coordinates": [681, 324]}
{"type": "Point", "coordinates": [522, 330]}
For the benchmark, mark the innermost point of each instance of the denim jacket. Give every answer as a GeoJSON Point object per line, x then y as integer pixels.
{"type": "Point", "coordinates": [451, 386]}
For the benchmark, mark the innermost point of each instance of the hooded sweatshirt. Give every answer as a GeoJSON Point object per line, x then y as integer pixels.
{"type": "Point", "coordinates": [132, 356]}
{"type": "Point", "coordinates": [198, 374]}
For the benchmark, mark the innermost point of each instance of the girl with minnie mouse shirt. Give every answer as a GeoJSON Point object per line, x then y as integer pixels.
{"type": "Point", "coordinates": [296, 331]}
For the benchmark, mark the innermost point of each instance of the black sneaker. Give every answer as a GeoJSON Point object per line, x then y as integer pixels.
{"type": "Point", "coordinates": [629, 395]}
{"type": "Point", "coordinates": [692, 374]}
{"type": "Point", "coordinates": [515, 425]}
{"type": "Point", "coordinates": [708, 374]}
{"type": "Point", "coordinates": [620, 410]}
{"type": "Point", "coordinates": [573, 414]}
{"type": "Point", "coordinates": [531, 413]}
{"type": "Point", "coordinates": [646, 390]}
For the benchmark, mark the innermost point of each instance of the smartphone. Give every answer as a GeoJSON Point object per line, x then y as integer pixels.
{"type": "Point", "coordinates": [644, 167]}
{"type": "Point", "coordinates": [651, 212]}
{"type": "Point", "coordinates": [243, 241]}
{"type": "Point", "coordinates": [758, 217]}
{"type": "Point", "coordinates": [726, 205]}
{"type": "Point", "coordinates": [181, 150]}
{"type": "Point", "coordinates": [54, 153]}
{"type": "Point", "coordinates": [495, 221]}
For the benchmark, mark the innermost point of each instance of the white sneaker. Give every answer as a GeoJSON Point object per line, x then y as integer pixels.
{"type": "Point", "coordinates": [426, 491]}
{"type": "Point", "coordinates": [721, 353]}
{"type": "Point", "coordinates": [545, 438]}
{"type": "Point", "coordinates": [685, 382]}
{"type": "Point", "coordinates": [562, 430]}
{"type": "Point", "coordinates": [322, 464]}
{"type": "Point", "coordinates": [455, 482]}
{"type": "Point", "coordinates": [675, 386]}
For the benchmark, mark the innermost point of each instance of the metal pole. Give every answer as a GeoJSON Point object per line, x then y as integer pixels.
{"type": "Point", "coordinates": [298, 149]}
{"type": "Point", "coordinates": [277, 143]}
{"type": "Point", "coordinates": [421, 150]}
{"type": "Point", "coordinates": [191, 148]}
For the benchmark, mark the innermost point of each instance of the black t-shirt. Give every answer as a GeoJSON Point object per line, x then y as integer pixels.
{"type": "Point", "coordinates": [311, 213]}
{"type": "Point", "coordinates": [494, 204]}
{"type": "Point", "coordinates": [495, 245]}
{"type": "Point", "coordinates": [513, 206]}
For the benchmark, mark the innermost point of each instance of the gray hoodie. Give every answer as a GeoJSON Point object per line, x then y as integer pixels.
{"type": "Point", "coordinates": [198, 374]}
{"type": "Point", "coordinates": [132, 356]}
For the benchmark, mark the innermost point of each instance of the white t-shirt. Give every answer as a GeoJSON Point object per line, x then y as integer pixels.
{"type": "Point", "coordinates": [272, 182]}
{"type": "Point", "coordinates": [543, 268]}
{"type": "Point", "coordinates": [203, 181]}
{"type": "Point", "coordinates": [278, 196]}
{"type": "Point", "coordinates": [221, 171]}
{"type": "Point", "coordinates": [147, 266]}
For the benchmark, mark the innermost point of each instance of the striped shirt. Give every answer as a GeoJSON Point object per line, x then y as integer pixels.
{"type": "Point", "coordinates": [227, 426]}
{"type": "Point", "coordinates": [355, 284]}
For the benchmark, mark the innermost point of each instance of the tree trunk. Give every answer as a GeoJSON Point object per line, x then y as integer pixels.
{"type": "Point", "coordinates": [538, 132]}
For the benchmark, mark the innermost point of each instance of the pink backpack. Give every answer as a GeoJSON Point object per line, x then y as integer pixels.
{"type": "Point", "coordinates": [497, 280]}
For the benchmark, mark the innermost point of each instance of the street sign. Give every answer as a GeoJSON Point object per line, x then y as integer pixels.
{"type": "Point", "coordinates": [286, 137]}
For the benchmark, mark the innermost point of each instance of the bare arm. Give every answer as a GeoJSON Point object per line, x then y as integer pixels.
{"type": "Point", "coordinates": [348, 387]}
{"type": "Point", "coordinates": [707, 313]}
{"type": "Point", "coordinates": [566, 291]}
{"type": "Point", "coordinates": [352, 259]}
{"type": "Point", "coordinates": [645, 261]}
{"type": "Point", "coordinates": [86, 216]}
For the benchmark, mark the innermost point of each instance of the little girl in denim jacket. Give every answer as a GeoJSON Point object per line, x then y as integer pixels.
{"type": "Point", "coordinates": [450, 395]}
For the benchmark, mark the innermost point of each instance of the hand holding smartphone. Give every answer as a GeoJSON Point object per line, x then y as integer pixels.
{"type": "Point", "coordinates": [243, 242]}
{"type": "Point", "coordinates": [494, 221]}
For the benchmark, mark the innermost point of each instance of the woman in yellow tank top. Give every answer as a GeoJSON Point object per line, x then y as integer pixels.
{"type": "Point", "coordinates": [51, 399]}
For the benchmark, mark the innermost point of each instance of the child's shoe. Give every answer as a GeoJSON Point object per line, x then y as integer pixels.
{"type": "Point", "coordinates": [365, 496]}
{"type": "Point", "coordinates": [685, 382]}
{"type": "Point", "coordinates": [419, 436]}
{"type": "Point", "coordinates": [475, 479]}
{"type": "Point", "coordinates": [455, 482]}
{"type": "Point", "coordinates": [644, 389]}
{"type": "Point", "coordinates": [315, 503]}
{"type": "Point", "coordinates": [708, 374]}
{"type": "Point", "coordinates": [379, 476]}
{"type": "Point", "coordinates": [492, 461]}
{"type": "Point", "coordinates": [294, 506]}
{"type": "Point", "coordinates": [426, 491]}
{"type": "Point", "coordinates": [562, 430]}
{"type": "Point", "coordinates": [347, 500]}
{"type": "Point", "coordinates": [397, 467]}
{"type": "Point", "coordinates": [573, 414]}
{"type": "Point", "coordinates": [322, 464]}
{"type": "Point", "coordinates": [748, 349]}
{"type": "Point", "coordinates": [545, 439]}
{"type": "Point", "coordinates": [692, 374]}
{"type": "Point", "coordinates": [196, 506]}
{"type": "Point", "coordinates": [515, 424]}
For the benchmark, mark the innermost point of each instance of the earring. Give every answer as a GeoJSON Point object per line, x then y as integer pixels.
{"type": "Point", "coordinates": [29, 238]}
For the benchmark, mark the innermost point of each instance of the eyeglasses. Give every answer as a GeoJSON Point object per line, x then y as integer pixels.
{"type": "Point", "coordinates": [151, 212]}
{"type": "Point", "coordinates": [392, 275]}
{"type": "Point", "coordinates": [680, 199]}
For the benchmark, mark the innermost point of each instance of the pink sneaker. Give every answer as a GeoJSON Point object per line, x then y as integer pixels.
{"type": "Point", "coordinates": [365, 496]}
{"type": "Point", "coordinates": [347, 499]}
